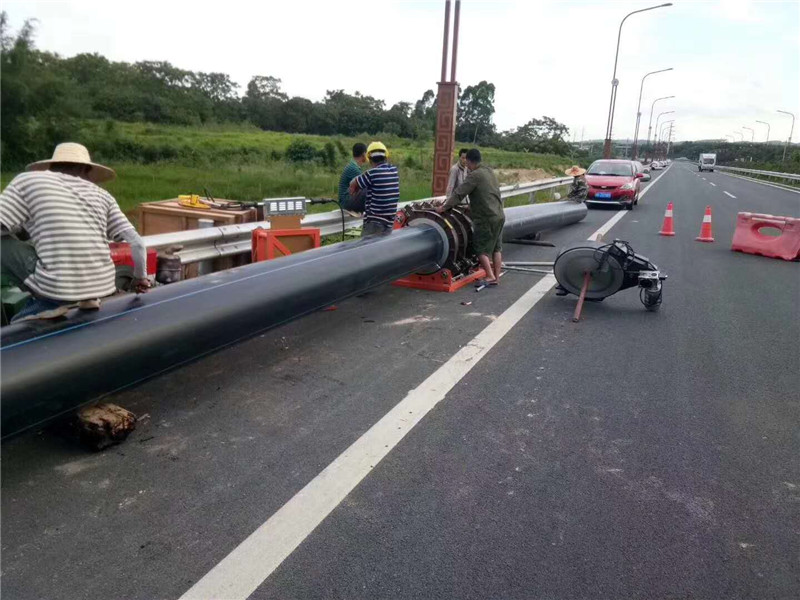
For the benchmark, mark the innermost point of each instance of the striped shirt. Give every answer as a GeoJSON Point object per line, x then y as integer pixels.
{"type": "Point", "coordinates": [70, 221]}
{"type": "Point", "coordinates": [383, 191]}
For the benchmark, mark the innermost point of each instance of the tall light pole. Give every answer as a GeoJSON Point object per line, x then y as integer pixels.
{"type": "Point", "coordinates": [650, 122]}
{"type": "Point", "coordinates": [791, 133]}
{"type": "Point", "coordinates": [768, 128]}
{"type": "Point", "coordinates": [639, 111]}
{"type": "Point", "coordinates": [752, 133]}
{"type": "Point", "coordinates": [669, 140]}
{"type": "Point", "coordinates": [666, 112]}
{"type": "Point", "coordinates": [661, 131]}
{"type": "Point", "coordinates": [612, 103]}
{"type": "Point", "coordinates": [741, 134]}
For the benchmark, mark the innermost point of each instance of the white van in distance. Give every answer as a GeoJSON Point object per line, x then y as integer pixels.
{"type": "Point", "coordinates": [706, 162]}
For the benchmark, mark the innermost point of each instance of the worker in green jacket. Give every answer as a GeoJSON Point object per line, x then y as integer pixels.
{"type": "Point", "coordinates": [486, 210]}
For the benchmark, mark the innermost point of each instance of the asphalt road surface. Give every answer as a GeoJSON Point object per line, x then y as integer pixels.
{"type": "Point", "coordinates": [469, 445]}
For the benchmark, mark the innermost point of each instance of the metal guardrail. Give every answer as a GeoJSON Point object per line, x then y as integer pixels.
{"type": "Point", "coordinates": [774, 174]}
{"type": "Point", "coordinates": [228, 240]}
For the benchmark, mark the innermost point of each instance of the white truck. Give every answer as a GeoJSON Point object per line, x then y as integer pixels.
{"type": "Point", "coordinates": [706, 162]}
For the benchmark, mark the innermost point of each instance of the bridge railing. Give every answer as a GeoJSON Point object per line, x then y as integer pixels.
{"type": "Point", "coordinates": [229, 240]}
{"type": "Point", "coordinates": [793, 178]}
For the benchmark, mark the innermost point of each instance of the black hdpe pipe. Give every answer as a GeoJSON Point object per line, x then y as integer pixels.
{"type": "Point", "coordinates": [550, 215]}
{"type": "Point", "coordinates": [52, 367]}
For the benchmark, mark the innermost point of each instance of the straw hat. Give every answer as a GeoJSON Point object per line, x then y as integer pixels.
{"type": "Point", "coordinates": [575, 171]}
{"type": "Point", "coordinates": [70, 152]}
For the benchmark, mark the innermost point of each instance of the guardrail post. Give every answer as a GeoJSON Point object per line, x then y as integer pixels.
{"type": "Point", "coordinates": [204, 267]}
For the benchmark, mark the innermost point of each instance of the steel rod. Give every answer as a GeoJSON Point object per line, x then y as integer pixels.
{"type": "Point", "coordinates": [576, 316]}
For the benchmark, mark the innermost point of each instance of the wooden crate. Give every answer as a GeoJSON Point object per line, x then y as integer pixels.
{"type": "Point", "coordinates": [166, 216]}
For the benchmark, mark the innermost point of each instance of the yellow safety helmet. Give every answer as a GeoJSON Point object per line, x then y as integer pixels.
{"type": "Point", "coordinates": [377, 149]}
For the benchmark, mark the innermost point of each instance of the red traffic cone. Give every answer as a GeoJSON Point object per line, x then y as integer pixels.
{"type": "Point", "coordinates": [667, 228]}
{"type": "Point", "coordinates": [705, 229]}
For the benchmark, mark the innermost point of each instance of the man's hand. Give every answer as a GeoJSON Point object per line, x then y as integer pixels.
{"type": "Point", "coordinates": [441, 208]}
{"type": "Point", "coordinates": [141, 286]}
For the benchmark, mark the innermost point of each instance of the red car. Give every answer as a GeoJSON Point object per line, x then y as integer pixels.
{"type": "Point", "coordinates": [613, 182]}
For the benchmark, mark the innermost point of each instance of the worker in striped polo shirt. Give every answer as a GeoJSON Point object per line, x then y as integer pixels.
{"type": "Point", "coordinates": [382, 184]}
{"type": "Point", "coordinates": [70, 221]}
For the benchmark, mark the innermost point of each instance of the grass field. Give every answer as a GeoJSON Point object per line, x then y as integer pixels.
{"type": "Point", "coordinates": [244, 163]}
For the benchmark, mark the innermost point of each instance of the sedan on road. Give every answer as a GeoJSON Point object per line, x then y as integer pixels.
{"type": "Point", "coordinates": [640, 168]}
{"type": "Point", "coordinates": [613, 182]}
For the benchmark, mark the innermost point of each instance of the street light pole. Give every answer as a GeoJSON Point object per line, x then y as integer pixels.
{"type": "Point", "coordinates": [791, 133]}
{"type": "Point", "coordinates": [639, 112]}
{"type": "Point", "coordinates": [614, 82]}
{"type": "Point", "coordinates": [666, 112]}
{"type": "Point", "coordinates": [650, 122]}
{"type": "Point", "coordinates": [669, 140]}
{"type": "Point", "coordinates": [661, 131]}
{"type": "Point", "coordinates": [752, 133]}
{"type": "Point", "coordinates": [768, 128]}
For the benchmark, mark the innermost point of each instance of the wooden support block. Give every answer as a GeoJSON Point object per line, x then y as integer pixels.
{"type": "Point", "coordinates": [103, 425]}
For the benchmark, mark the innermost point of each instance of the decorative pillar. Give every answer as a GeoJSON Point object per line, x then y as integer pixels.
{"type": "Point", "coordinates": [447, 101]}
{"type": "Point", "coordinates": [447, 98]}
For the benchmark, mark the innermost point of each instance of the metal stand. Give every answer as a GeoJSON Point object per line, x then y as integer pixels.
{"type": "Point", "coordinates": [587, 277]}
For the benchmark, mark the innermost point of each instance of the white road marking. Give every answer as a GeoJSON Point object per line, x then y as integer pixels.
{"type": "Point", "coordinates": [240, 573]}
{"type": "Point", "coordinates": [712, 183]}
{"type": "Point", "coordinates": [729, 194]}
{"type": "Point", "coordinates": [704, 179]}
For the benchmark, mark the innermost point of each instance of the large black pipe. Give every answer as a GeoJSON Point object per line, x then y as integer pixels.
{"type": "Point", "coordinates": [50, 368]}
{"type": "Point", "coordinates": [551, 215]}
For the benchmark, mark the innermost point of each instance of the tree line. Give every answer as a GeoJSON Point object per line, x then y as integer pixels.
{"type": "Point", "coordinates": [45, 96]}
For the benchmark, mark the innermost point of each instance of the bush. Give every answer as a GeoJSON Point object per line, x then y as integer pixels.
{"type": "Point", "coordinates": [328, 155]}
{"type": "Point", "coordinates": [342, 150]}
{"type": "Point", "coordinates": [300, 150]}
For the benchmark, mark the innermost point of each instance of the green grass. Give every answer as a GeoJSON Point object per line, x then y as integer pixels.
{"type": "Point", "coordinates": [239, 162]}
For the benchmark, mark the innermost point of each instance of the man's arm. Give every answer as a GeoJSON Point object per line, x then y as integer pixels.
{"type": "Point", "coordinates": [360, 183]}
{"type": "Point", "coordinates": [120, 229]}
{"type": "Point", "coordinates": [14, 211]}
{"type": "Point", "coordinates": [463, 190]}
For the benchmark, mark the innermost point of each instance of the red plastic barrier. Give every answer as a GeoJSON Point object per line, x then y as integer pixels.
{"type": "Point", "coordinates": [121, 255]}
{"type": "Point", "coordinates": [748, 237]}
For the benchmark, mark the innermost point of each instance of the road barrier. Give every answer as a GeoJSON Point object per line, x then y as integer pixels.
{"type": "Point", "coordinates": [748, 237]}
{"type": "Point", "coordinates": [229, 240]}
{"type": "Point", "coordinates": [793, 178]}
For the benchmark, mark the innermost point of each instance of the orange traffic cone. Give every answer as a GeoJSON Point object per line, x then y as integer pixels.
{"type": "Point", "coordinates": [667, 228]}
{"type": "Point", "coordinates": [705, 229]}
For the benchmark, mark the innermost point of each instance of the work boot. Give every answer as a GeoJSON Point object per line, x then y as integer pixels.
{"type": "Point", "coordinates": [93, 304]}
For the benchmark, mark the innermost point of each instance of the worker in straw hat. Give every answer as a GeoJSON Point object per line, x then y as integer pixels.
{"type": "Point", "coordinates": [70, 220]}
{"type": "Point", "coordinates": [578, 189]}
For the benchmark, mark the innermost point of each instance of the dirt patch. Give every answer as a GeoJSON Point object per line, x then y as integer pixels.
{"type": "Point", "coordinates": [511, 176]}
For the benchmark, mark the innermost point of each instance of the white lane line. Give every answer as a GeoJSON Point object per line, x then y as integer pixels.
{"type": "Point", "coordinates": [729, 194]}
{"type": "Point", "coordinates": [704, 179]}
{"type": "Point", "coordinates": [712, 183]}
{"type": "Point", "coordinates": [240, 573]}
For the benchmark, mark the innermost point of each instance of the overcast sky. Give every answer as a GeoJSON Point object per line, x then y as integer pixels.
{"type": "Point", "coordinates": [734, 61]}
